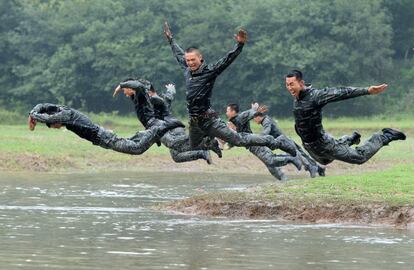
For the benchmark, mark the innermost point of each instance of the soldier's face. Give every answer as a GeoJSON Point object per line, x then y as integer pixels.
{"type": "Point", "coordinates": [258, 119]}
{"type": "Point", "coordinates": [193, 60]}
{"type": "Point", "coordinates": [230, 112]}
{"type": "Point", "coordinates": [129, 92]}
{"type": "Point", "coordinates": [294, 86]}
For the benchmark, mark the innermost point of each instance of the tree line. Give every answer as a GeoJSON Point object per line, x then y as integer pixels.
{"type": "Point", "coordinates": [75, 52]}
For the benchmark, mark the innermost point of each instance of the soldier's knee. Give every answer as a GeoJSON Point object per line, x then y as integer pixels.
{"type": "Point", "coordinates": [175, 156]}
{"type": "Point", "coordinates": [236, 141]}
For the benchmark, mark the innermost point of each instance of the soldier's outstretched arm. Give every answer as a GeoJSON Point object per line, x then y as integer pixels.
{"type": "Point", "coordinates": [328, 95]}
{"type": "Point", "coordinates": [49, 114]}
{"type": "Point", "coordinates": [176, 49]}
{"type": "Point", "coordinates": [267, 127]}
{"type": "Point", "coordinates": [134, 84]}
{"type": "Point", "coordinates": [224, 62]}
{"type": "Point", "coordinates": [248, 115]}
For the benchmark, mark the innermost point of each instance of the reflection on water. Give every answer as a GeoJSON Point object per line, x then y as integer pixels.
{"type": "Point", "coordinates": [105, 221]}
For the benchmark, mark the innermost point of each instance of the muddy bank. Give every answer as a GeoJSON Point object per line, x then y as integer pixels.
{"type": "Point", "coordinates": [149, 162]}
{"type": "Point", "coordinates": [375, 214]}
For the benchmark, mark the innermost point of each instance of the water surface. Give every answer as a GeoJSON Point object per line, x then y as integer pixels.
{"type": "Point", "coordinates": [105, 221]}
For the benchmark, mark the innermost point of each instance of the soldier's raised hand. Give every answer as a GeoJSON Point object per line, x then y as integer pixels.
{"type": "Point", "coordinates": [255, 106]}
{"type": "Point", "coordinates": [170, 87]}
{"type": "Point", "coordinates": [376, 89]}
{"type": "Point", "coordinates": [167, 31]}
{"type": "Point", "coordinates": [241, 36]}
{"type": "Point", "coordinates": [117, 90]}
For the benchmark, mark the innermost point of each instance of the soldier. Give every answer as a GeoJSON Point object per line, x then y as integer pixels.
{"type": "Point", "coordinates": [200, 79]}
{"type": "Point", "coordinates": [241, 123]}
{"type": "Point", "coordinates": [155, 106]}
{"type": "Point", "coordinates": [270, 128]}
{"type": "Point", "coordinates": [307, 110]}
{"type": "Point", "coordinates": [56, 116]}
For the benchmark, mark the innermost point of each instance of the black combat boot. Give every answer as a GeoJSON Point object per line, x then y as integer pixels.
{"type": "Point", "coordinates": [390, 134]}
{"type": "Point", "coordinates": [321, 170]}
{"type": "Point", "coordinates": [214, 146]}
{"type": "Point", "coordinates": [313, 170]}
{"type": "Point", "coordinates": [207, 157]}
{"type": "Point", "coordinates": [296, 161]}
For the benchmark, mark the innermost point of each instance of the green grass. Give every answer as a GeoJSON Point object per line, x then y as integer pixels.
{"type": "Point", "coordinates": [393, 186]}
{"type": "Point", "coordinates": [52, 143]}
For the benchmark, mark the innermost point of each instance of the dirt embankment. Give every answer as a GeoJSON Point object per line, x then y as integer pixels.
{"type": "Point", "coordinates": [398, 216]}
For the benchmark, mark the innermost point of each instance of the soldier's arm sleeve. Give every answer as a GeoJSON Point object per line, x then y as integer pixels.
{"type": "Point", "coordinates": [267, 127]}
{"type": "Point", "coordinates": [224, 62]}
{"type": "Point", "coordinates": [49, 114]}
{"type": "Point", "coordinates": [134, 84]}
{"type": "Point", "coordinates": [246, 116]}
{"type": "Point", "coordinates": [327, 95]}
{"type": "Point", "coordinates": [159, 103]}
{"type": "Point", "coordinates": [178, 53]}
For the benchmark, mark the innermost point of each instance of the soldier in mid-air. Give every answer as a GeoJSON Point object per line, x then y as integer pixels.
{"type": "Point", "coordinates": [307, 110]}
{"type": "Point", "coordinates": [199, 80]}
{"type": "Point", "coordinates": [57, 116]}
{"type": "Point", "coordinates": [241, 123]}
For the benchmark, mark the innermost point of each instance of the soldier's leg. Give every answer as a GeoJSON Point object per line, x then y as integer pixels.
{"type": "Point", "coordinates": [176, 139]}
{"type": "Point", "coordinates": [136, 146]}
{"type": "Point", "coordinates": [358, 155]}
{"type": "Point", "coordinates": [196, 134]}
{"type": "Point", "coordinates": [277, 173]}
{"type": "Point", "coordinates": [180, 157]}
{"type": "Point", "coordinates": [263, 154]}
{"type": "Point", "coordinates": [316, 151]}
{"type": "Point", "coordinates": [355, 138]}
{"type": "Point", "coordinates": [309, 163]}
{"type": "Point", "coordinates": [272, 160]}
{"type": "Point", "coordinates": [216, 127]}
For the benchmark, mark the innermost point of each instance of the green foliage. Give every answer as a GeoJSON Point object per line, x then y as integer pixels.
{"type": "Point", "coordinates": [75, 52]}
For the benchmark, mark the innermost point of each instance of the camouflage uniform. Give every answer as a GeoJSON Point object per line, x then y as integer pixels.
{"type": "Point", "coordinates": [270, 128]}
{"type": "Point", "coordinates": [81, 125]}
{"type": "Point", "coordinates": [307, 110]}
{"type": "Point", "coordinates": [176, 139]}
{"type": "Point", "coordinates": [203, 120]}
{"type": "Point", "coordinates": [271, 160]}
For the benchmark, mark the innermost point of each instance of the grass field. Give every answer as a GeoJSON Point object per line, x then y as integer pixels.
{"type": "Point", "coordinates": [63, 145]}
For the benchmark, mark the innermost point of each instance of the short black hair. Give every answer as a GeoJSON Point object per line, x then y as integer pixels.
{"type": "Point", "coordinates": [295, 73]}
{"type": "Point", "coordinates": [192, 50]}
{"type": "Point", "coordinates": [152, 89]}
{"type": "Point", "coordinates": [129, 79]}
{"type": "Point", "coordinates": [234, 107]}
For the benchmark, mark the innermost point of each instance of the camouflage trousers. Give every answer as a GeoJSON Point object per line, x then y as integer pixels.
{"type": "Point", "coordinates": [271, 160]}
{"type": "Point", "coordinates": [200, 127]}
{"type": "Point", "coordinates": [327, 149]}
{"type": "Point", "coordinates": [179, 144]}
{"type": "Point", "coordinates": [135, 145]}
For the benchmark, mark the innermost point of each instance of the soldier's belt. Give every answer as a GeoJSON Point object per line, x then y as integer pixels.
{"type": "Point", "coordinates": [205, 115]}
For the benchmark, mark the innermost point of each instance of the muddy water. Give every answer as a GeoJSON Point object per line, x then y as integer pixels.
{"type": "Point", "coordinates": [105, 221]}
